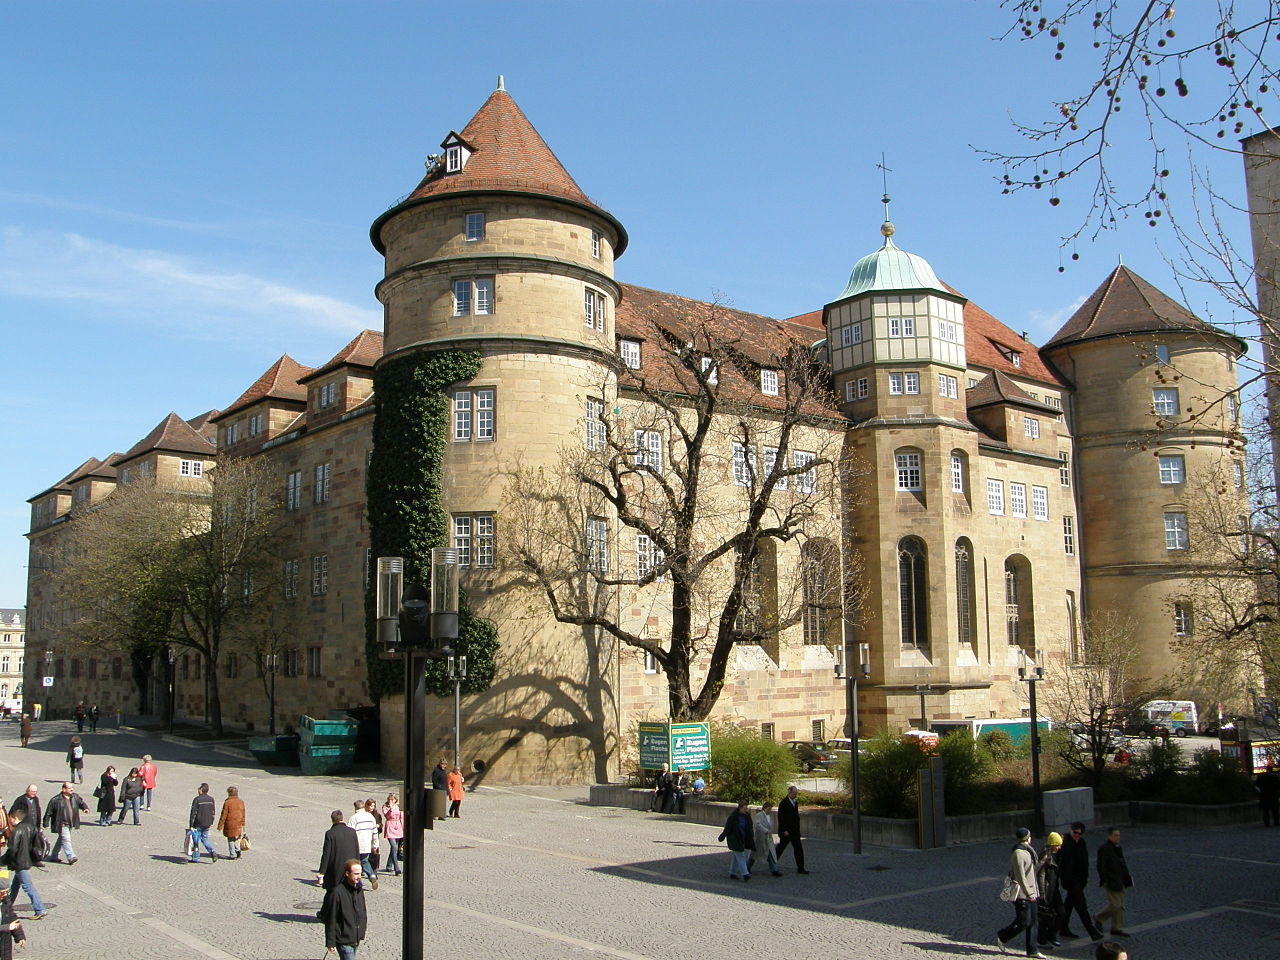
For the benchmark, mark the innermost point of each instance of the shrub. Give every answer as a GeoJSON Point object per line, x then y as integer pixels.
{"type": "Point", "coordinates": [888, 776]}
{"type": "Point", "coordinates": [1210, 778]}
{"type": "Point", "coordinates": [964, 765]}
{"type": "Point", "coordinates": [1157, 766]}
{"type": "Point", "coordinates": [745, 766]}
{"type": "Point", "coordinates": [998, 745]}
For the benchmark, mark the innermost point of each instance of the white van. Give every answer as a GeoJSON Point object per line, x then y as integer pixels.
{"type": "Point", "coordinates": [1179, 717]}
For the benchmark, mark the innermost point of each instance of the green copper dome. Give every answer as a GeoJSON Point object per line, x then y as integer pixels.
{"type": "Point", "coordinates": [891, 269]}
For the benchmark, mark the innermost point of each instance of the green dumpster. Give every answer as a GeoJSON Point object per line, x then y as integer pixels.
{"type": "Point", "coordinates": [326, 759]}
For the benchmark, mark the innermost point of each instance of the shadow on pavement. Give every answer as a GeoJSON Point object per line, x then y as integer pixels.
{"type": "Point", "coordinates": [287, 917]}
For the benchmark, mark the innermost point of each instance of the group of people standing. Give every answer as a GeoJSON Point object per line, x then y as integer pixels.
{"type": "Point", "coordinates": [747, 836]}
{"type": "Point", "coordinates": [1035, 885]}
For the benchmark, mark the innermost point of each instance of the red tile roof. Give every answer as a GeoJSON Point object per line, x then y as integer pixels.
{"type": "Point", "coordinates": [364, 350]}
{"type": "Point", "coordinates": [281, 381]}
{"type": "Point", "coordinates": [508, 155]}
{"type": "Point", "coordinates": [203, 424]}
{"type": "Point", "coordinates": [79, 473]}
{"type": "Point", "coordinates": [1127, 304]}
{"type": "Point", "coordinates": [984, 334]}
{"type": "Point", "coordinates": [998, 388]}
{"type": "Point", "coordinates": [173, 435]}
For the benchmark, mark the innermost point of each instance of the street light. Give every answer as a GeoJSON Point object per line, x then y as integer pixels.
{"type": "Point", "coordinates": [421, 624]}
{"type": "Point", "coordinates": [271, 664]}
{"type": "Point", "coordinates": [851, 675]}
{"type": "Point", "coordinates": [923, 690]}
{"type": "Point", "coordinates": [48, 672]}
{"type": "Point", "coordinates": [173, 677]}
{"type": "Point", "coordinates": [457, 673]}
{"type": "Point", "coordinates": [1031, 676]}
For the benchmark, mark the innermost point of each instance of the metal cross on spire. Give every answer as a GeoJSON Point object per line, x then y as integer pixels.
{"type": "Point", "coordinates": [887, 228]}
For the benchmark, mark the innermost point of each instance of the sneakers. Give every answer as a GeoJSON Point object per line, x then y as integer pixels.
{"type": "Point", "coordinates": [1000, 944]}
{"type": "Point", "coordinates": [40, 916]}
{"type": "Point", "coordinates": [72, 860]}
{"type": "Point", "coordinates": [1037, 956]}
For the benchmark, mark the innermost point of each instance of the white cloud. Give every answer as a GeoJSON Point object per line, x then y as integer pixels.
{"type": "Point", "coordinates": [1045, 323]}
{"type": "Point", "coordinates": [154, 287]}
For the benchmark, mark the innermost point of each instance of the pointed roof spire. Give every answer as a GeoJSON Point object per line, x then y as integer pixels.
{"type": "Point", "coordinates": [506, 155]}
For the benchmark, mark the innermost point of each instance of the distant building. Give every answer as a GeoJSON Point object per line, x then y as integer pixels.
{"type": "Point", "coordinates": [1005, 492]}
{"type": "Point", "coordinates": [13, 624]}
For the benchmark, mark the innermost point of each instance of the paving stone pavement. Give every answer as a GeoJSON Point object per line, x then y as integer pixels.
{"type": "Point", "coordinates": [530, 873]}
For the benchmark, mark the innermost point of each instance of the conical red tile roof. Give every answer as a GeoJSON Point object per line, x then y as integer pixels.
{"type": "Point", "coordinates": [279, 382]}
{"type": "Point", "coordinates": [507, 155]}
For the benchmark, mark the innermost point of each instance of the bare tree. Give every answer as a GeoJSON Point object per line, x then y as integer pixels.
{"type": "Point", "coordinates": [1093, 698]}
{"type": "Point", "coordinates": [184, 562]}
{"type": "Point", "coordinates": [709, 476]}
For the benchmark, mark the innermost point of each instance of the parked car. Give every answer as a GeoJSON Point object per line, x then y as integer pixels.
{"type": "Point", "coordinates": [812, 754]}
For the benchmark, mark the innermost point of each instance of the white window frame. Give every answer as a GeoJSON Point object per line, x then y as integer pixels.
{"type": "Point", "coordinates": [911, 384]}
{"type": "Point", "coordinates": [948, 386]}
{"type": "Point", "coordinates": [595, 244]}
{"type": "Point", "coordinates": [769, 382]}
{"type": "Point", "coordinates": [957, 474]}
{"type": "Point", "coordinates": [1162, 353]}
{"type": "Point", "coordinates": [910, 476]}
{"type": "Point", "coordinates": [650, 663]}
{"type": "Point", "coordinates": [594, 436]}
{"type": "Point", "coordinates": [1173, 468]}
{"type": "Point", "coordinates": [770, 457]}
{"type": "Point", "coordinates": [293, 490]}
{"type": "Point", "coordinates": [1018, 500]}
{"type": "Point", "coordinates": [648, 558]}
{"type": "Point", "coordinates": [895, 384]}
{"type": "Point", "coordinates": [473, 297]}
{"type": "Point", "coordinates": [255, 425]}
{"type": "Point", "coordinates": [597, 544]}
{"type": "Point", "coordinates": [186, 468]}
{"type": "Point", "coordinates": [1183, 619]}
{"type": "Point", "coordinates": [806, 482]}
{"type": "Point", "coordinates": [1165, 401]}
{"type": "Point", "coordinates": [1175, 531]}
{"type": "Point", "coordinates": [1031, 427]}
{"type": "Point", "coordinates": [744, 465]}
{"type": "Point", "coordinates": [1039, 502]}
{"type": "Point", "coordinates": [319, 574]}
{"type": "Point", "coordinates": [231, 433]}
{"type": "Point", "coordinates": [647, 450]}
{"type": "Point", "coordinates": [709, 367]}
{"type": "Point", "coordinates": [1064, 471]}
{"type": "Point", "coordinates": [484, 541]}
{"type": "Point", "coordinates": [474, 413]}
{"type": "Point", "coordinates": [1068, 535]}
{"type": "Point", "coordinates": [629, 352]}
{"type": "Point", "coordinates": [463, 534]}
{"type": "Point", "coordinates": [864, 388]}
{"type": "Point", "coordinates": [594, 308]}
{"type": "Point", "coordinates": [323, 475]}
{"type": "Point", "coordinates": [327, 395]}
{"type": "Point", "coordinates": [453, 160]}
{"type": "Point", "coordinates": [995, 497]}
{"type": "Point", "coordinates": [474, 227]}
{"type": "Point", "coordinates": [848, 391]}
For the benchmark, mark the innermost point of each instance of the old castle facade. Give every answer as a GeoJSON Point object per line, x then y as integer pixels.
{"type": "Point", "coordinates": [1000, 492]}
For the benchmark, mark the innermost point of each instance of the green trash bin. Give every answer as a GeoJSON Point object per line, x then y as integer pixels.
{"type": "Point", "coordinates": [437, 803]}
{"type": "Point", "coordinates": [336, 758]}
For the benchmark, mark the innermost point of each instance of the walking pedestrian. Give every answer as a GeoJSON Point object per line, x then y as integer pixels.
{"type": "Point", "coordinates": [1022, 872]}
{"type": "Point", "coordinates": [739, 836]}
{"type": "Point", "coordinates": [11, 931]}
{"type": "Point", "coordinates": [63, 816]}
{"type": "Point", "coordinates": [764, 838]}
{"type": "Point", "coordinates": [231, 822]}
{"type": "Point", "coordinates": [20, 856]}
{"type": "Point", "coordinates": [455, 793]}
{"type": "Point", "coordinates": [1114, 876]}
{"type": "Point", "coordinates": [375, 855]}
{"type": "Point", "coordinates": [1073, 874]}
{"type": "Point", "coordinates": [29, 802]}
{"type": "Point", "coordinates": [393, 830]}
{"type": "Point", "coordinates": [93, 719]}
{"type": "Point", "coordinates": [1049, 907]}
{"type": "Point", "coordinates": [75, 760]}
{"type": "Point", "coordinates": [789, 828]}
{"type": "Point", "coordinates": [366, 827]}
{"type": "Point", "coordinates": [344, 914]}
{"type": "Point", "coordinates": [80, 715]}
{"type": "Point", "coordinates": [199, 822]}
{"type": "Point", "coordinates": [25, 728]}
{"type": "Point", "coordinates": [131, 795]}
{"type": "Point", "coordinates": [105, 791]}
{"type": "Point", "coordinates": [1268, 784]}
{"type": "Point", "coordinates": [440, 782]}
{"type": "Point", "coordinates": [148, 772]}
{"type": "Point", "coordinates": [340, 847]}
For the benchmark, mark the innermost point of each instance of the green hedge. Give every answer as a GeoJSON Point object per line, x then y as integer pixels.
{"type": "Point", "coordinates": [748, 767]}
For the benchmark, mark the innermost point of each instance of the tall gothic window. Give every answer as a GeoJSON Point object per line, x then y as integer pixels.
{"type": "Point", "coordinates": [965, 605]}
{"type": "Point", "coordinates": [820, 571]}
{"type": "Point", "coordinates": [913, 593]}
{"type": "Point", "coordinates": [1019, 611]}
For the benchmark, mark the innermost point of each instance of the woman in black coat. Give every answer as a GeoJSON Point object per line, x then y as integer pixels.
{"type": "Point", "coordinates": [106, 794]}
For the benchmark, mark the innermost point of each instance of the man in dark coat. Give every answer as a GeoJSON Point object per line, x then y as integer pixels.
{"type": "Point", "coordinates": [440, 783]}
{"type": "Point", "coordinates": [20, 856]}
{"type": "Point", "coordinates": [199, 822]}
{"type": "Point", "coordinates": [344, 915]}
{"type": "Point", "coordinates": [340, 846]}
{"type": "Point", "coordinates": [789, 828]}
{"type": "Point", "coordinates": [63, 816]}
{"type": "Point", "coordinates": [1268, 783]}
{"type": "Point", "coordinates": [1073, 866]}
{"type": "Point", "coordinates": [1113, 875]}
{"type": "Point", "coordinates": [30, 802]}
{"type": "Point", "coordinates": [740, 836]}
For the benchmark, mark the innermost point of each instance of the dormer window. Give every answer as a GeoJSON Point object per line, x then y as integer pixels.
{"type": "Point", "coordinates": [629, 351]}
{"type": "Point", "coordinates": [769, 382]}
{"type": "Point", "coordinates": [453, 159]}
{"type": "Point", "coordinates": [328, 395]}
{"type": "Point", "coordinates": [1013, 356]}
{"type": "Point", "coordinates": [711, 370]}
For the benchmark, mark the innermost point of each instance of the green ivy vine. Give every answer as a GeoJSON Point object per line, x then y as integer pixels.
{"type": "Point", "coordinates": [406, 515]}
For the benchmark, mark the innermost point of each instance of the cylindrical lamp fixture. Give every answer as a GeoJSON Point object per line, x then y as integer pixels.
{"type": "Point", "coordinates": [444, 597]}
{"type": "Point", "coordinates": [390, 592]}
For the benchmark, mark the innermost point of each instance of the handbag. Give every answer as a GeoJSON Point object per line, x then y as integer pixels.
{"type": "Point", "coordinates": [243, 843]}
{"type": "Point", "coordinates": [188, 842]}
{"type": "Point", "coordinates": [97, 791]}
{"type": "Point", "coordinates": [1009, 892]}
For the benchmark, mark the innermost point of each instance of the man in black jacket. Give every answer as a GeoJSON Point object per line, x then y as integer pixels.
{"type": "Point", "coordinates": [20, 855]}
{"type": "Point", "coordinates": [1113, 874]}
{"type": "Point", "coordinates": [789, 827]}
{"type": "Point", "coordinates": [440, 784]}
{"type": "Point", "coordinates": [340, 846]}
{"type": "Point", "coordinates": [30, 802]}
{"type": "Point", "coordinates": [1073, 862]}
{"type": "Point", "coordinates": [62, 817]}
{"type": "Point", "coordinates": [343, 913]}
{"type": "Point", "coordinates": [203, 810]}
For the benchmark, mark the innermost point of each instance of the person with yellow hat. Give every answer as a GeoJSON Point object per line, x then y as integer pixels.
{"type": "Point", "coordinates": [1050, 902]}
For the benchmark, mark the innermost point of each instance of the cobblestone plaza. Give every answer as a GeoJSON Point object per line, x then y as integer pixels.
{"type": "Point", "coordinates": [534, 873]}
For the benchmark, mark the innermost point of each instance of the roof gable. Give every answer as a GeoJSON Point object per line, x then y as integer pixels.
{"type": "Point", "coordinates": [997, 388]}
{"type": "Point", "coordinates": [364, 350]}
{"type": "Point", "coordinates": [173, 435]}
{"type": "Point", "coordinates": [281, 381]}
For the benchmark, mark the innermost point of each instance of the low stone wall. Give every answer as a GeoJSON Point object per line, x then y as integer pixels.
{"type": "Point", "coordinates": [1193, 814]}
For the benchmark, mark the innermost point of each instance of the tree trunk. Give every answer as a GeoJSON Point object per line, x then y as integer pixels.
{"type": "Point", "coordinates": [213, 698]}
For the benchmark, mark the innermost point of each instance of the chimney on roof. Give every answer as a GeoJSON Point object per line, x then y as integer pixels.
{"type": "Point", "coordinates": [1024, 335]}
{"type": "Point", "coordinates": [502, 84]}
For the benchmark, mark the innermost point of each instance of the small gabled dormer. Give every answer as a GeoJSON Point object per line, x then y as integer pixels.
{"type": "Point", "coordinates": [456, 153]}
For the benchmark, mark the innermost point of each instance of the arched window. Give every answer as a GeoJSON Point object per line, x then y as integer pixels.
{"type": "Point", "coordinates": [966, 629]}
{"type": "Point", "coordinates": [913, 593]}
{"type": "Point", "coordinates": [821, 586]}
{"type": "Point", "coordinates": [1019, 610]}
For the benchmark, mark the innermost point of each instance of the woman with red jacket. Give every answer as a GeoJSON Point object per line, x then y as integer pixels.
{"type": "Point", "coordinates": [454, 787]}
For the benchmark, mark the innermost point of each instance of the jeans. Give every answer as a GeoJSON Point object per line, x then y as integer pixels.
{"type": "Point", "coordinates": [127, 805]}
{"type": "Point", "coordinates": [200, 835]}
{"type": "Point", "coordinates": [368, 867]}
{"type": "Point", "coordinates": [346, 952]}
{"type": "Point", "coordinates": [1024, 918]}
{"type": "Point", "coordinates": [393, 854]}
{"type": "Point", "coordinates": [147, 795]}
{"type": "Point", "coordinates": [22, 878]}
{"type": "Point", "coordinates": [738, 864]}
{"type": "Point", "coordinates": [63, 843]}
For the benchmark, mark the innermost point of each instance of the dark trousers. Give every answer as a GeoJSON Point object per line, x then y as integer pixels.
{"type": "Point", "coordinates": [1023, 919]}
{"type": "Point", "coordinates": [453, 808]}
{"type": "Point", "coordinates": [796, 845]}
{"type": "Point", "coordinates": [1074, 900]}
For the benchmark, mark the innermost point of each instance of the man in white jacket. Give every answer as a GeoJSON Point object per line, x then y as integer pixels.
{"type": "Point", "coordinates": [764, 830]}
{"type": "Point", "coordinates": [365, 824]}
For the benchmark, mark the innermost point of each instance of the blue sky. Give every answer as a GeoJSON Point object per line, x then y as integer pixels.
{"type": "Point", "coordinates": [186, 187]}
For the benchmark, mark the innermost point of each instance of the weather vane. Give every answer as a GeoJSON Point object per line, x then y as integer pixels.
{"type": "Point", "coordinates": [887, 229]}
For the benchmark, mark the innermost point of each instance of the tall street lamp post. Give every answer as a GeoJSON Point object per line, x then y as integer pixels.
{"type": "Point", "coordinates": [922, 691]}
{"type": "Point", "coordinates": [1031, 676]}
{"type": "Point", "coordinates": [421, 623]}
{"type": "Point", "coordinates": [272, 664]}
{"type": "Point", "coordinates": [457, 673]}
{"type": "Point", "coordinates": [852, 672]}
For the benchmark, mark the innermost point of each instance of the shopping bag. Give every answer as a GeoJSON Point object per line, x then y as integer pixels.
{"type": "Point", "coordinates": [188, 842]}
{"type": "Point", "coordinates": [243, 843]}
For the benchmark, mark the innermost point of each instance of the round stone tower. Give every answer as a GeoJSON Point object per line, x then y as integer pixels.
{"type": "Point", "coordinates": [497, 250]}
{"type": "Point", "coordinates": [1155, 416]}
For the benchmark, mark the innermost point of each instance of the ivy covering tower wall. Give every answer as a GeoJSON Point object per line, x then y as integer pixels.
{"type": "Point", "coordinates": [406, 516]}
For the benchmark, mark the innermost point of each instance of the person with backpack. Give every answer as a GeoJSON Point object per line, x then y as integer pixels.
{"type": "Point", "coordinates": [75, 760]}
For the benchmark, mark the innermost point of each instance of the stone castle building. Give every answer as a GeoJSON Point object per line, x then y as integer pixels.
{"type": "Point", "coordinates": [987, 494]}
